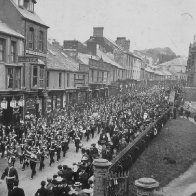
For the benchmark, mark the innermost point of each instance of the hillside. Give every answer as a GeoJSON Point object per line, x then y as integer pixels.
{"type": "Point", "coordinates": [157, 55]}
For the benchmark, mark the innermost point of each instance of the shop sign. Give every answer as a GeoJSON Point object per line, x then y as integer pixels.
{"type": "Point", "coordinates": [27, 59]}
{"type": "Point", "coordinates": [71, 91]}
{"type": "Point", "coordinates": [35, 53]}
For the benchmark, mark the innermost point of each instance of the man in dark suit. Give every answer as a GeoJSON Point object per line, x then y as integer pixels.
{"type": "Point", "coordinates": [16, 191]}
{"type": "Point", "coordinates": [42, 191]}
{"type": "Point", "coordinates": [11, 174]}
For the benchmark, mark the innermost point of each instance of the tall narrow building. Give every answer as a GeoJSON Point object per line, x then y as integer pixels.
{"type": "Point", "coordinates": [20, 16]}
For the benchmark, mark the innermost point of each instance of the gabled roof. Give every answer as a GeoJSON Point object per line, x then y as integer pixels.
{"type": "Point", "coordinates": [107, 59]}
{"type": "Point", "coordinates": [159, 72]}
{"type": "Point", "coordinates": [84, 58]}
{"type": "Point", "coordinates": [29, 15]}
{"type": "Point", "coordinates": [58, 60]}
{"type": "Point", "coordinates": [4, 28]}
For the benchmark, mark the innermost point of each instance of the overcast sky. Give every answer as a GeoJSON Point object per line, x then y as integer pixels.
{"type": "Point", "coordinates": [147, 23]}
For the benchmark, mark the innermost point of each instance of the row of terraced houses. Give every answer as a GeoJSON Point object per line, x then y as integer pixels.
{"type": "Point", "coordinates": [38, 75]}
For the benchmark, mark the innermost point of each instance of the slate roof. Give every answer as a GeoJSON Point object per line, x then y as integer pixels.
{"type": "Point", "coordinates": [29, 15]}
{"type": "Point", "coordinates": [181, 61]}
{"type": "Point", "coordinates": [58, 60]}
{"type": "Point", "coordinates": [148, 69]}
{"type": "Point", "coordinates": [4, 28]}
{"type": "Point", "coordinates": [84, 58]}
{"type": "Point", "coordinates": [107, 59]}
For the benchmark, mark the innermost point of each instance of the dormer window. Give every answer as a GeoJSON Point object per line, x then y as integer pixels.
{"type": "Point", "coordinates": [29, 5]}
{"type": "Point", "coordinates": [21, 3]}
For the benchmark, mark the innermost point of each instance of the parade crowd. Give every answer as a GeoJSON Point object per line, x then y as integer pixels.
{"type": "Point", "coordinates": [117, 119]}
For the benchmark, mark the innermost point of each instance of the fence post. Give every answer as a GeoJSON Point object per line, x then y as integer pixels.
{"type": "Point", "coordinates": [100, 176]}
{"type": "Point", "coordinates": [146, 186]}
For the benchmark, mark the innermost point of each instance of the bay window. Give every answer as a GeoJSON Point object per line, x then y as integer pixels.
{"type": "Point", "coordinates": [2, 49]}
{"type": "Point", "coordinates": [41, 77]}
{"type": "Point", "coordinates": [17, 78]}
{"type": "Point", "coordinates": [35, 76]}
{"type": "Point", "coordinates": [10, 78]}
{"type": "Point", "coordinates": [60, 79]}
{"type": "Point", "coordinates": [14, 77]}
{"type": "Point", "coordinates": [13, 52]}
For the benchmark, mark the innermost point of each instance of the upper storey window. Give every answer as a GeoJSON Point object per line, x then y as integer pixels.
{"type": "Point", "coordinates": [41, 41]}
{"type": "Point", "coordinates": [31, 39]}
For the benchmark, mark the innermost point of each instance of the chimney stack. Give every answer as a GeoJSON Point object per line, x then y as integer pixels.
{"type": "Point", "coordinates": [194, 39]}
{"type": "Point", "coordinates": [123, 43]}
{"type": "Point", "coordinates": [92, 47]}
{"type": "Point", "coordinates": [98, 31]}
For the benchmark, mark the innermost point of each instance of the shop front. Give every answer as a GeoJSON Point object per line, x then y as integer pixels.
{"type": "Point", "coordinates": [11, 109]}
{"type": "Point", "coordinates": [71, 96]}
{"type": "Point", "coordinates": [82, 95]}
{"type": "Point", "coordinates": [54, 100]}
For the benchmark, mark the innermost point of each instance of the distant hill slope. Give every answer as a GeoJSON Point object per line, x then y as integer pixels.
{"type": "Point", "coordinates": [157, 55]}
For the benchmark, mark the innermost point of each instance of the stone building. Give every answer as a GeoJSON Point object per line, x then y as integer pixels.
{"type": "Point", "coordinates": [12, 88]}
{"type": "Point", "coordinates": [20, 16]}
{"type": "Point", "coordinates": [67, 82]}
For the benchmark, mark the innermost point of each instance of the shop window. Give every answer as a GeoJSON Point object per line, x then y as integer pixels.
{"type": "Point", "coordinates": [2, 49]}
{"type": "Point", "coordinates": [60, 80]}
{"type": "Point", "coordinates": [13, 52]}
{"type": "Point", "coordinates": [41, 77]}
{"type": "Point", "coordinates": [10, 78]}
{"type": "Point", "coordinates": [35, 76]}
{"type": "Point", "coordinates": [41, 41]}
{"type": "Point", "coordinates": [31, 35]}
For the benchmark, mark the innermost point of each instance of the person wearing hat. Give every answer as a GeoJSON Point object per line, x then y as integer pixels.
{"type": "Point", "coordinates": [33, 165]}
{"type": "Point", "coordinates": [83, 177]}
{"type": "Point", "coordinates": [42, 191]}
{"type": "Point", "coordinates": [78, 190]}
{"type": "Point", "coordinates": [65, 188]}
{"type": "Point", "coordinates": [11, 174]}
{"type": "Point", "coordinates": [49, 187]}
{"type": "Point", "coordinates": [16, 191]}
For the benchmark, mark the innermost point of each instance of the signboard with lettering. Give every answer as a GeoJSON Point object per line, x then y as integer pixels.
{"type": "Point", "coordinates": [27, 59]}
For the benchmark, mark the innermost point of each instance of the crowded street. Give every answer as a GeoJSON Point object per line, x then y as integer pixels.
{"type": "Point", "coordinates": [77, 136]}
{"type": "Point", "coordinates": [97, 98]}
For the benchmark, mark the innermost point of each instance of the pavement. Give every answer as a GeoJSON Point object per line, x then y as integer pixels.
{"type": "Point", "coordinates": [185, 184]}
{"type": "Point", "coordinates": [30, 186]}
